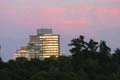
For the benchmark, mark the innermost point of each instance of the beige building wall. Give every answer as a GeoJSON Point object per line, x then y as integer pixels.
{"type": "Point", "coordinates": [22, 53]}
{"type": "Point", "coordinates": [47, 44]}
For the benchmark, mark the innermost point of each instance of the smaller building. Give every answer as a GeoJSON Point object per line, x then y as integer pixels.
{"type": "Point", "coordinates": [22, 52]}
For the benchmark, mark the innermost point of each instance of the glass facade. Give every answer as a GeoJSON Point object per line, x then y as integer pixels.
{"type": "Point", "coordinates": [48, 45]}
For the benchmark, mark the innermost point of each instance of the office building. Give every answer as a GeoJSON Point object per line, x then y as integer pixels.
{"type": "Point", "coordinates": [44, 44]}
{"type": "Point", "coordinates": [22, 52]}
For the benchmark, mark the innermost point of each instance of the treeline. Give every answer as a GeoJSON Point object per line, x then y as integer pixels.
{"type": "Point", "coordinates": [90, 60]}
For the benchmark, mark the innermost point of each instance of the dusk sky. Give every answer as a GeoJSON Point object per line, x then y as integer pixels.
{"type": "Point", "coordinates": [97, 19]}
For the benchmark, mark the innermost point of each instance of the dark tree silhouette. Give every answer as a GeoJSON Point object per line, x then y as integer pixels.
{"type": "Point", "coordinates": [78, 45]}
{"type": "Point", "coordinates": [90, 60]}
{"type": "Point", "coordinates": [104, 48]}
{"type": "Point", "coordinates": [116, 56]}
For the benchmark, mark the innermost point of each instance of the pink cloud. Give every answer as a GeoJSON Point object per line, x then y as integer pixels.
{"type": "Point", "coordinates": [55, 16]}
{"type": "Point", "coordinates": [11, 11]}
{"type": "Point", "coordinates": [76, 22]}
{"type": "Point", "coordinates": [105, 10]}
{"type": "Point", "coordinates": [101, 10]}
{"type": "Point", "coordinates": [7, 10]}
{"type": "Point", "coordinates": [25, 10]}
{"type": "Point", "coordinates": [85, 8]}
{"type": "Point", "coordinates": [114, 11]}
{"type": "Point", "coordinates": [53, 10]}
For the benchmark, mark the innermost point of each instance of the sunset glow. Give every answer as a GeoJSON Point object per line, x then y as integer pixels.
{"type": "Point", "coordinates": [98, 19]}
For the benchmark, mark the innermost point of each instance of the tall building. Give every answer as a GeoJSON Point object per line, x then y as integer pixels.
{"type": "Point", "coordinates": [43, 45]}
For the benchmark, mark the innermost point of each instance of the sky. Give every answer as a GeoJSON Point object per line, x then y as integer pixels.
{"type": "Point", "coordinates": [97, 19]}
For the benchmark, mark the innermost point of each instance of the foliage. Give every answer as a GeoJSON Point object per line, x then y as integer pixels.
{"type": "Point", "coordinates": [90, 60]}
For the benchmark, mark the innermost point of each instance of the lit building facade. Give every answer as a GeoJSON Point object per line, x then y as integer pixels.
{"type": "Point", "coordinates": [22, 52]}
{"type": "Point", "coordinates": [43, 45]}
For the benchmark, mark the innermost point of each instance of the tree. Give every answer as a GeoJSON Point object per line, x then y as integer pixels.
{"type": "Point", "coordinates": [54, 76]}
{"type": "Point", "coordinates": [2, 64]}
{"type": "Point", "coordinates": [103, 48]}
{"type": "Point", "coordinates": [104, 52]}
{"type": "Point", "coordinates": [20, 74]}
{"type": "Point", "coordinates": [92, 46]}
{"type": "Point", "coordinates": [78, 45]}
{"type": "Point", "coordinates": [116, 56]}
{"type": "Point", "coordinates": [5, 75]}
{"type": "Point", "coordinates": [82, 50]}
